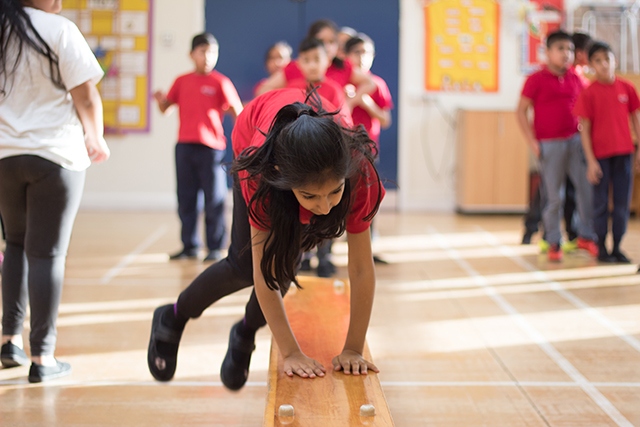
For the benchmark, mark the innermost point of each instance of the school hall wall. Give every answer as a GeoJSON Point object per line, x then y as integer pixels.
{"type": "Point", "coordinates": [427, 120]}
{"type": "Point", "coordinates": [141, 171]}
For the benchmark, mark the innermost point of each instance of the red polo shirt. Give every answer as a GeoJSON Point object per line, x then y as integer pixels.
{"type": "Point", "coordinates": [342, 76]}
{"type": "Point", "coordinates": [607, 107]}
{"type": "Point", "coordinates": [382, 97]}
{"type": "Point", "coordinates": [202, 100]}
{"type": "Point", "coordinates": [257, 117]}
{"type": "Point", "coordinates": [553, 99]}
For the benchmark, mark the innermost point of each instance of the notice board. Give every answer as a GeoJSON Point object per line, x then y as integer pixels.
{"type": "Point", "coordinates": [119, 33]}
{"type": "Point", "coordinates": [462, 45]}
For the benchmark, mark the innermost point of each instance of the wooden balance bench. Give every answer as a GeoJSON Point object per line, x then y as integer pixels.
{"type": "Point", "coordinates": [319, 317]}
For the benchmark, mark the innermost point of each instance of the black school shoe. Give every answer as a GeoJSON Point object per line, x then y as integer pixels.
{"type": "Point", "coordinates": [606, 257]}
{"type": "Point", "coordinates": [162, 355]}
{"type": "Point", "coordinates": [235, 366]}
{"type": "Point", "coordinates": [40, 373]}
{"type": "Point", "coordinates": [326, 269]}
{"type": "Point", "coordinates": [12, 356]}
{"type": "Point", "coordinates": [184, 254]}
{"type": "Point", "coordinates": [620, 257]}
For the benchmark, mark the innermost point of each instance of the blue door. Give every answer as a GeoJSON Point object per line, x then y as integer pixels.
{"type": "Point", "coordinates": [246, 28]}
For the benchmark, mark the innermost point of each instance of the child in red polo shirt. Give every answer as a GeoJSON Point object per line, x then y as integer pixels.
{"type": "Point", "coordinates": [374, 111]}
{"type": "Point", "coordinates": [301, 175]}
{"type": "Point", "coordinates": [203, 96]}
{"type": "Point", "coordinates": [314, 62]}
{"type": "Point", "coordinates": [554, 139]}
{"type": "Point", "coordinates": [605, 109]}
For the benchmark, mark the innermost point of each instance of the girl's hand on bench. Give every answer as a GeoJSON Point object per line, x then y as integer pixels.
{"type": "Point", "coordinates": [352, 362]}
{"type": "Point", "coordinates": [303, 366]}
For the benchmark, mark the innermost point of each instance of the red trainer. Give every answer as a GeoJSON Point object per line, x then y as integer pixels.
{"type": "Point", "coordinates": [555, 253]}
{"type": "Point", "coordinates": [588, 245]}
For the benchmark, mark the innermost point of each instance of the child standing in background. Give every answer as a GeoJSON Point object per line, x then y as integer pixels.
{"type": "Point", "coordinates": [203, 96]}
{"type": "Point", "coordinates": [277, 57]}
{"type": "Point", "coordinates": [313, 62]}
{"type": "Point", "coordinates": [554, 139]}
{"type": "Point", "coordinates": [374, 110]}
{"type": "Point", "coordinates": [605, 109]}
{"type": "Point", "coordinates": [581, 43]}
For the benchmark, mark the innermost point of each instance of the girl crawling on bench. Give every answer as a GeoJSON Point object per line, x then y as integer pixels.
{"type": "Point", "coordinates": [310, 178]}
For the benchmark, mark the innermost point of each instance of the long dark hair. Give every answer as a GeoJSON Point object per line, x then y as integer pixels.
{"type": "Point", "coordinates": [16, 26]}
{"type": "Point", "coordinates": [308, 146]}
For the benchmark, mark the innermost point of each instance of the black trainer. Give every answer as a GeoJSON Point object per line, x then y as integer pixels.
{"type": "Point", "coordinates": [605, 256]}
{"type": "Point", "coordinates": [235, 366]}
{"type": "Point", "coordinates": [326, 269]}
{"type": "Point", "coordinates": [12, 356]}
{"type": "Point", "coordinates": [185, 254]}
{"type": "Point", "coordinates": [620, 257]}
{"type": "Point", "coordinates": [40, 373]}
{"type": "Point", "coordinates": [162, 355]}
{"type": "Point", "coordinates": [305, 265]}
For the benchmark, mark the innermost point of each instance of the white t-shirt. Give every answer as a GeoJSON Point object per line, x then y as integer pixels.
{"type": "Point", "coordinates": [36, 117]}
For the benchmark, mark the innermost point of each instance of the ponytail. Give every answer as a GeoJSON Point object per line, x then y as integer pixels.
{"type": "Point", "coordinates": [304, 145]}
{"type": "Point", "coordinates": [16, 27]}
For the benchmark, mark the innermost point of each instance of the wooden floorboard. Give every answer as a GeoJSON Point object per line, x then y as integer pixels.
{"type": "Point", "coordinates": [469, 328]}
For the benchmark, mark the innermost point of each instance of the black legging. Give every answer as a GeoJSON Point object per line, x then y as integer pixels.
{"type": "Point", "coordinates": [38, 202]}
{"type": "Point", "coordinates": [228, 275]}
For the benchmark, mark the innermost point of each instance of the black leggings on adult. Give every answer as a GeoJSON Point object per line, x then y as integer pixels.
{"type": "Point", "coordinates": [228, 275]}
{"type": "Point", "coordinates": [38, 202]}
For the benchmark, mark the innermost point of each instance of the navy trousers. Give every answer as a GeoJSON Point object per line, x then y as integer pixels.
{"type": "Point", "coordinates": [616, 172]}
{"type": "Point", "coordinates": [199, 170]}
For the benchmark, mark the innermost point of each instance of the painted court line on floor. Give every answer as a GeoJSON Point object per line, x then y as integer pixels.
{"type": "Point", "coordinates": [542, 384]}
{"type": "Point", "coordinates": [598, 398]}
{"type": "Point", "coordinates": [542, 277]}
{"type": "Point", "coordinates": [128, 259]}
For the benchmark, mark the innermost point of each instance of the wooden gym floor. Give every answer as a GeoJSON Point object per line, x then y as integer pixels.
{"type": "Point", "coordinates": [469, 328]}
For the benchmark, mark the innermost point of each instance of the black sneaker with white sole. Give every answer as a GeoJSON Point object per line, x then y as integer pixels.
{"type": "Point", "coordinates": [12, 356]}
{"type": "Point", "coordinates": [40, 373]}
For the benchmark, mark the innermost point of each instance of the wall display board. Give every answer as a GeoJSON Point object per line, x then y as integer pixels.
{"type": "Point", "coordinates": [542, 18]}
{"type": "Point", "coordinates": [119, 33]}
{"type": "Point", "coordinates": [462, 45]}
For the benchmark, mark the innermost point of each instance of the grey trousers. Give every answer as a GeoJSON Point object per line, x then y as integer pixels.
{"type": "Point", "coordinates": [38, 203]}
{"type": "Point", "coordinates": [559, 159]}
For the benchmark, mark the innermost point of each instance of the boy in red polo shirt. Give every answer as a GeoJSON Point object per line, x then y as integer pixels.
{"type": "Point", "coordinates": [554, 139]}
{"type": "Point", "coordinates": [605, 109]}
{"type": "Point", "coordinates": [313, 63]}
{"type": "Point", "coordinates": [374, 109]}
{"type": "Point", "coordinates": [203, 97]}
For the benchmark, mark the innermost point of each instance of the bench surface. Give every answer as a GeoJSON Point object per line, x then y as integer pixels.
{"type": "Point", "coordinates": [319, 318]}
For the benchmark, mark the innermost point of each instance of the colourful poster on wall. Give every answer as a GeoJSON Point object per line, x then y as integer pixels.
{"type": "Point", "coordinates": [119, 33]}
{"type": "Point", "coordinates": [542, 18]}
{"type": "Point", "coordinates": [462, 45]}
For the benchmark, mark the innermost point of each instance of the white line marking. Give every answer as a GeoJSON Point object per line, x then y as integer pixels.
{"type": "Point", "coordinates": [534, 334]}
{"type": "Point", "coordinates": [543, 384]}
{"type": "Point", "coordinates": [555, 286]}
{"type": "Point", "coordinates": [128, 259]}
